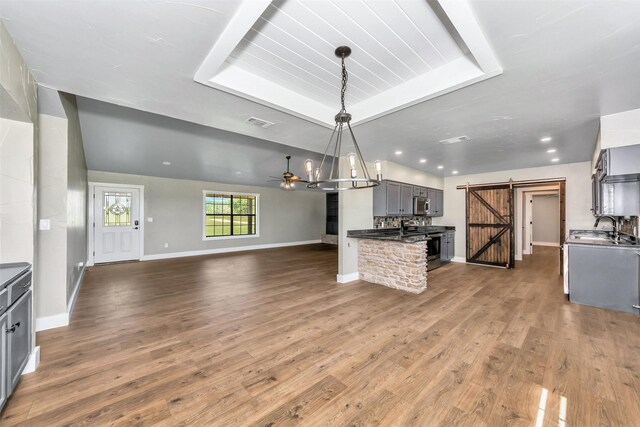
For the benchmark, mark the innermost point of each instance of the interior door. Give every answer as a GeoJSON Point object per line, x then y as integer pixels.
{"type": "Point", "coordinates": [527, 249]}
{"type": "Point", "coordinates": [490, 225]}
{"type": "Point", "coordinates": [117, 224]}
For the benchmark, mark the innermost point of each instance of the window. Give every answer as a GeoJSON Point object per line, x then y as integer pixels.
{"type": "Point", "coordinates": [228, 215]}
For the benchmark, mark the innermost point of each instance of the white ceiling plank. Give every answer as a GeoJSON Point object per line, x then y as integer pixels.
{"type": "Point", "coordinates": [282, 78]}
{"type": "Point", "coordinates": [248, 12]}
{"type": "Point", "coordinates": [250, 52]}
{"type": "Point", "coordinates": [370, 23]}
{"type": "Point", "coordinates": [300, 61]}
{"type": "Point", "coordinates": [370, 53]}
{"type": "Point", "coordinates": [320, 49]}
{"type": "Point", "coordinates": [327, 34]}
{"type": "Point", "coordinates": [434, 32]}
{"type": "Point", "coordinates": [407, 30]}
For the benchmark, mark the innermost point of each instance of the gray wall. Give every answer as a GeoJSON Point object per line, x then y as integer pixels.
{"type": "Point", "coordinates": [546, 219]}
{"type": "Point", "coordinates": [51, 281]}
{"type": "Point", "coordinates": [76, 196]}
{"type": "Point", "coordinates": [176, 206]}
{"type": "Point", "coordinates": [62, 199]}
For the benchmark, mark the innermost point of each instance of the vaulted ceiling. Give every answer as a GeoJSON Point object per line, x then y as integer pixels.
{"type": "Point", "coordinates": [542, 68]}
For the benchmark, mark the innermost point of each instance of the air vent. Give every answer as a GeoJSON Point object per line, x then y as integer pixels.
{"type": "Point", "coordinates": [259, 122]}
{"type": "Point", "coordinates": [456, 139]}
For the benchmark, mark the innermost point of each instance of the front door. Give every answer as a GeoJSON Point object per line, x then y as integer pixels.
{"type": "Point", "coordinates": [117, 224]}
{"type": "Point", "coordinates": [490, 225]}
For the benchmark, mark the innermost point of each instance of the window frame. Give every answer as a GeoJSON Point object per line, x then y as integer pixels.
{"type": "Point", "coordinates": [230, 193]}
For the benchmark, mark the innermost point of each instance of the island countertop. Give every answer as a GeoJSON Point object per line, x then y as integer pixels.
{"type": "Point", "coordinates": [417, 234]}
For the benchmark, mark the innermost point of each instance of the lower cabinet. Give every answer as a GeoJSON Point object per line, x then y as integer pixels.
{"type": "Point", "coordinates": [606, 277]}
{"type": "Point", "coordinates": [3, 360]}
{"type": "Point", "coordinates": [15, 344]}
{"type": "Point", "coordinates": [18, 339]}
{"type": "Point", "coordinates": [448, 246]}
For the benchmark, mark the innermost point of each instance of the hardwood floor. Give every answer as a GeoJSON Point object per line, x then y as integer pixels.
{"type": "Point", "coordinates": [269, 338]}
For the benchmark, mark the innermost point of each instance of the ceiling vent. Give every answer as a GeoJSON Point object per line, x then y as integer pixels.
{"type": "Point", "coordinates": [456, 139]}
{"type": "Point", "coordinates": [259, 122]}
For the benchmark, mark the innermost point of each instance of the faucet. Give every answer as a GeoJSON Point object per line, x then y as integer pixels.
{"type": "Point", "coordinates": [614, 223]}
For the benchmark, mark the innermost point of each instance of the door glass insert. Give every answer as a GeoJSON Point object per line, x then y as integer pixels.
{"type": "Point", "coordinates": [117, 209]}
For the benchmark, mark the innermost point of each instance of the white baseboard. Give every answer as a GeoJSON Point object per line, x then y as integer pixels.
{"type": "Point", "coordinates": [346, 278]}
{"type": "Point", "coordinates": [225, 250]}
{"type": "Point", "coordinates": [51, 322]}
{"type": "Point", "coordinates": [556, 244]}
{"type": "Point", "coordinates": [74, 295]}
{"type": "Point", "coordinates": [459, 259]}
{"type": "Point", "coordinates": [62, 319]}
{"type": "Point", "coordinates": [33, 362]}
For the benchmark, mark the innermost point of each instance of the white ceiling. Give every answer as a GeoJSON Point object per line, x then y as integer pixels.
{"type": "Point", "coordinates": [404, 52]}
{"type": "Point", "coordinates": [565, 63]}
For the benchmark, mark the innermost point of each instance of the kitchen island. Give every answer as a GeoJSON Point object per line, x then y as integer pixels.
{"type": "Point", "coordinates": [393, 257]}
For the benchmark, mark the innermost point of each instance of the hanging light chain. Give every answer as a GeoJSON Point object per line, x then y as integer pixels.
{"type": "Point", "coordinates": [345, 78]}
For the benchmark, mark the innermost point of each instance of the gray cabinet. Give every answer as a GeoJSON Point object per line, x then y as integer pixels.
{"type": "Point", "coordinates": [619, 164]}
{"type": "Point", "coordinates": [448, 245]}
{"type": "Point", "coordinates": [3, 359]}
{"type": "Point", "coordinates": [18, 339]}
{"type": "Point", "coordinates": [392, 198]}
{"type": "Point", "coordinates": [406, 199]}
{"type": "Point", "coordinates": [604, 276]}
{"type": "Point", "coordinates": [437, 204]}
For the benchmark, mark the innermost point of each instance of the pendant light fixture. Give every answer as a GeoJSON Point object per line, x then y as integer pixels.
{"type": "Point", "coordinates": [358, 173]}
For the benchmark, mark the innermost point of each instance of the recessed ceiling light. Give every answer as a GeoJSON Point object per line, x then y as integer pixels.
{"type": "Point", "coordinates": [166, 163]}
{"type": "Point", "coordinates": [440, 167]}
{"type": "Point", "coordinates": [545, 139]}
{"type": "Point", "coordinates": [551, 150]}
{"type": "Point", "coordinates": [238, 173]}
{"type": "Point", "coordinates": [454, 172]}
{"type": "Point", "coordinates": [398, 152]}
{"type": "Point", "coordinates": [423, 160]}
{"type": "Point", "coordinates": [555, 160]}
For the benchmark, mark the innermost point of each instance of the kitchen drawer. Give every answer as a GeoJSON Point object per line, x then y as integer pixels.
{"type": "Point", "coordinates": [19, 287]}
{"type": "Point", "coordinates": [4, 300]}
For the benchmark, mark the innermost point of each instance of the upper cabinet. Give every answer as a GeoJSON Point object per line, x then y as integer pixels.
{"type": "Point", "coordinates": [615, 185]}
{"type": "Point", "coordinates": [392, 198]}
{"type": "Point", "coordinates": [619, 164]}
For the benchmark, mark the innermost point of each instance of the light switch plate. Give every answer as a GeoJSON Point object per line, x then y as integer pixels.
{"type": "Point", "coordinates": [45, 224]}
{"type": "Point", "coordinates": [149, 219]}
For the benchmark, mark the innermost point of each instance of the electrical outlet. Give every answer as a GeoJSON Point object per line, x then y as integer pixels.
{"type": "Point", "coordinates": [166, 245]}
{"type": "Point", "coordinates": [45, 224]}
{"type": "Point", "coordinates": [149, 219]}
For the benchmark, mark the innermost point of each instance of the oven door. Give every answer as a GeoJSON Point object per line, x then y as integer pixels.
{"type": "Point", "coordinates": [433, 251]}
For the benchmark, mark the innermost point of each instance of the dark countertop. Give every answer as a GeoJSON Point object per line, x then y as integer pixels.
{"type": "Point", "coordinates": [417, 233]}
{"type": "Point", "coordinates": [602, 239]}
{"type": "Point", "coordinates": [8, 272]}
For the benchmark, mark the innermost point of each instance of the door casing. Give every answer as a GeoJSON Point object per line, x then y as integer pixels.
{"type": "Point", "coordinates": [91, 217]}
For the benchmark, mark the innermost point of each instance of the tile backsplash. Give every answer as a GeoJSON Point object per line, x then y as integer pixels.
{"type": "Point", "coordinates": [394, 221]}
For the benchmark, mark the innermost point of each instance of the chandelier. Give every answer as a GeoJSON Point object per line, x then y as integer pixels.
{"type": "Point", "coordinates": [340, 136]}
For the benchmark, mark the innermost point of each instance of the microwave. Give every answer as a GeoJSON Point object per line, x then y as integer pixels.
{"type": "Point", "coordinates": [421, 206]}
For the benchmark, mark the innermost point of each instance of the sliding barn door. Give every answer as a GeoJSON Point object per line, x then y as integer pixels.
{"type": "Point", "coordinates": [490, 237]}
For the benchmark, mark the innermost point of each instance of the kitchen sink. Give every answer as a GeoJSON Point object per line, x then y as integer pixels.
{"type": "Point", "coordinates": [597, 238]}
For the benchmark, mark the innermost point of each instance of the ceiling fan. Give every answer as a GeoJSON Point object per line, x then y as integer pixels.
{"type": "Point", "coordinates": [288, 179]}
